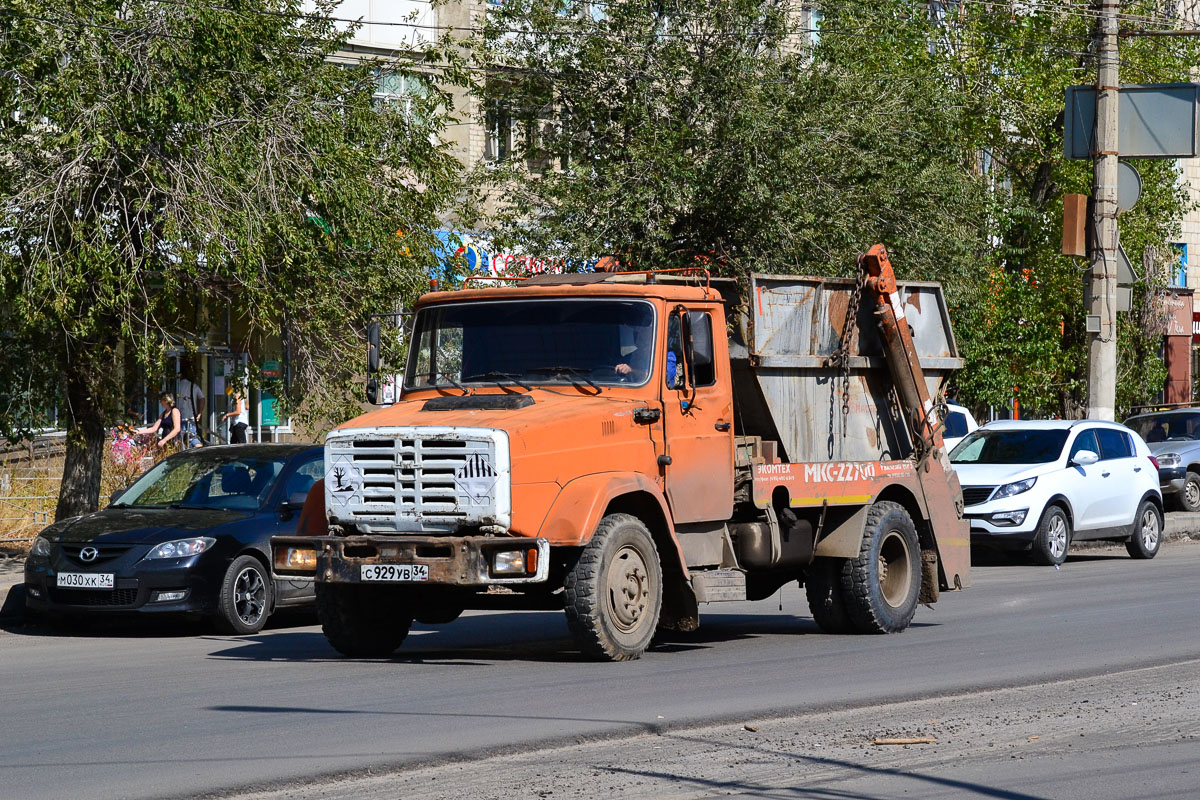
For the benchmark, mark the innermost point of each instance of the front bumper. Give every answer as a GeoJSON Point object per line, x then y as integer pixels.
{"type": "Point", "coordinates": [451, 560]}
{"type": "Point", "coordinates": [133, 591]}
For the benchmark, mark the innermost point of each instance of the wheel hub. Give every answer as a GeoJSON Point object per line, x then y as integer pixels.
{"type": "Point", "coordinates": [628, 588]}
{"type": "Point", "coordinates": [895, 569]}
{"type": "Point", "coordinates": [1150, 531]}
{"type": "Point", "coordinates": [249, 595]}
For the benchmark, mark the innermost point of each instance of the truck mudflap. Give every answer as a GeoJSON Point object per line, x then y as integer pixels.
{"type": "Point", "coordinates": [429, 560]}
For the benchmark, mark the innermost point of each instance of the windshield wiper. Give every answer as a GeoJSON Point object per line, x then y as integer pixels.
{"type": "Point", "coordinates": [450, 378]}
{"type": "Point", "coordinates": [188, 505]}
{"type": "Point", "coordinates": [496, 377]}
{"type": "Point", "coordinates": [568, 371]}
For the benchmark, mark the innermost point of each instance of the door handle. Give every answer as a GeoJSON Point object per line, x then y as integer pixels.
{"type": "Point", "coordinates": [1137, 469]}
{"type": "Point", "coordinates": [1105, 474]}
{"type": "Point", "coordinates": [722, 426]}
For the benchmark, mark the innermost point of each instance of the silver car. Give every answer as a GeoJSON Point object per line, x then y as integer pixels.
{"type": "Point", "coordinates": [1174, 441]}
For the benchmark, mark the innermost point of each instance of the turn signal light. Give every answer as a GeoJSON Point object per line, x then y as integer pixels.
{"type": "Point", "coordinates": [531, 560]}
{"type": "Point", "coordinates": [301, 559]}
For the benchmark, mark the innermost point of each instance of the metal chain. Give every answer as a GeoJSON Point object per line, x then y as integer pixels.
{"type": "Point", "coordinates": [840, 358]}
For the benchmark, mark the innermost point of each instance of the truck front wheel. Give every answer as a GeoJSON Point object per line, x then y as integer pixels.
{"type": "Point", "coordinates": [614, 591]}
{"type": "Point", "coordinates": [362, 621]}
{"type": "Point", "coordinates": [882, 584]}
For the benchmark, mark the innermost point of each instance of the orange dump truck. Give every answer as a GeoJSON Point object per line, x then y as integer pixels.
{"type": "Point", "coordinates": [628, 446]}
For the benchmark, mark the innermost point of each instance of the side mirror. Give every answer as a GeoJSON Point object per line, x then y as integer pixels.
{"type": "Point", "coordinates": [372, 391]}
{"type": "Point", "coordinates": [1084, 458]}
{"type": "Point", "coordinates": [373, 348]}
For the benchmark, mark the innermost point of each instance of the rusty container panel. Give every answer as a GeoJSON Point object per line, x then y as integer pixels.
{"type": "Point", "coordinates": [789, 391]}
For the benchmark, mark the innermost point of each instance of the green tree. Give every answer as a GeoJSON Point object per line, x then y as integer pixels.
{"type": "Point", "coordinates": [1007, 65]}
{"type": "Point", "coordinates": [158, 157]}
{"type": "Point", "coordinates": [671, 132]}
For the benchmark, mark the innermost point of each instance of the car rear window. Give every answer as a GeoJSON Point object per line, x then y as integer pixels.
{"type": "Point", "coordinates": [1114, 444]}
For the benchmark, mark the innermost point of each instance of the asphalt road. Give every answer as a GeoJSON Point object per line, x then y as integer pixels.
{"type": "Point", "coordinates": [127, 713]}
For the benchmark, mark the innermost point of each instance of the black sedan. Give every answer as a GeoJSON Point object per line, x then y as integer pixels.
{"type": "Point", "coordinates": [191, 535]}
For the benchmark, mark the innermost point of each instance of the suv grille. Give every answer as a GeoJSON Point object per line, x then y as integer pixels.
{"type": "Point", "coordinates": [415, 480]}
{"type": "Point", "coordinates": [974, 495]}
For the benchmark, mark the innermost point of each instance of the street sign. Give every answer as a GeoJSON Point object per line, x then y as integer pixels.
{"type": "Point", "coordinates": [1129, 186]}
{"type": "Point", "coordinates": [1125, 274]}
{"type": "Point", "coordinates": [1156, 120]}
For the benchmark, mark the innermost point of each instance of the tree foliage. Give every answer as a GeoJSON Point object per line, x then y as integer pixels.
{"type": "Point", "coordinates": [726, 131]}
{"type": "Point", "coordinates": [159, 160]}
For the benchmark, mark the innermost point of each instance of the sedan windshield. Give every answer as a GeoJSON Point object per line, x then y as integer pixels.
{"type": "Point", "coordinates": [1166, 427]}
{"type": "Point", "coordinates": [523, 342]}
{"type": "Point", "coordinates": [203, 481]}
{"type": "Point", "coordinates": [1010, 447]}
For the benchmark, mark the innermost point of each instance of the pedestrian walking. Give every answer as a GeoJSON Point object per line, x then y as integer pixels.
{"type": "Point", "coordinates": [239, 414]}
{"type": "Point", "coordinates": [190, 401]}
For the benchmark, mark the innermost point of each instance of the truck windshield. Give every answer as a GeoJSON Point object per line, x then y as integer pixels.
{"type": "Point", "coordinates": [514, 342]}
{"type": "Point", "coordinates": [1032, 446]}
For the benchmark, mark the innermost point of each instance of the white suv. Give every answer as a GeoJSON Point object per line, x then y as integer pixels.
{"type": "Point", "coordinates": [1039, 486]}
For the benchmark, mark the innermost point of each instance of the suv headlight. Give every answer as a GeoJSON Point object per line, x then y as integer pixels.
{"type": "Point", "coordinates": [1168, 459]}
{"type": "Point", "coordinates": [181, 548]}
{"type": "Point", "coordinates": [1010, 489]}
{"type": "Point", "coordinates": [41, 547]}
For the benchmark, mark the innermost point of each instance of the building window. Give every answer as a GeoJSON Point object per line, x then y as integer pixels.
{"type": "Point", "coordinates": [1178, 275]}
{"type": "Point", "coordinates": [404, 91]}
{"type": "Point", "coordinates": [499, 130]}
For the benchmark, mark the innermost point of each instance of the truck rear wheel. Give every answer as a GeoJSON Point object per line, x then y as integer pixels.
{"type": "Point", "coordinates": [362, 621]}
{"type": "Point", "coordinates": [823, 586]}
{"type": "Point", "coordinates": [614, 591]}
{"type": "Point", "coordinates": [882, 584]}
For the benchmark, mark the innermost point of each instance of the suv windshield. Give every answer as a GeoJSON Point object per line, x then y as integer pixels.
{"type": "Point", "coordinates": [203, 481]}
{"type": "Point", "coordinates": [1166, 427]}
{"type": "Point", "coordinates": [514, 342]}
{"type": "Point", "coordinates": [1010, 447]}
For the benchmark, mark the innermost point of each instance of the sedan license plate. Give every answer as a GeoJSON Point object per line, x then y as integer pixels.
{"type": "Point", "coordinates": [85, 580]}
{"type": "Point", "coordinates": [395, 572]}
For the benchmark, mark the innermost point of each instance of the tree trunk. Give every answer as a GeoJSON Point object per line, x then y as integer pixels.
{"type": "Point", "coordinates": [80, 490]}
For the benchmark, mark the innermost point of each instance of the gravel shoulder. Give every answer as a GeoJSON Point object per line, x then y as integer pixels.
{"type": "Point", "coordinates": [1090, 738]}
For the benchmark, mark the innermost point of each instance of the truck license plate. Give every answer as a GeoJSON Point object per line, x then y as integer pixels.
{"type": "Point", "coordinates": [85, 580]}
{"type": "Point", "coordinates": [395, 572]}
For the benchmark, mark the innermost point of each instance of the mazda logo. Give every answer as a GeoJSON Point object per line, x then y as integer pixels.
{"type": "Point", "coordinates": [88, 554]}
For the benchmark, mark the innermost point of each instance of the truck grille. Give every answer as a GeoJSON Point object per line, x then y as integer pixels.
{"type": "Point", "coordinates": [974, 495]}
{"type": "Point", "coordinates": [417, 479]}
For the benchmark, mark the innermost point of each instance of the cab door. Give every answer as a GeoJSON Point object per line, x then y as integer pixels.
{"type": "Point", "coordinates": [698, 417]}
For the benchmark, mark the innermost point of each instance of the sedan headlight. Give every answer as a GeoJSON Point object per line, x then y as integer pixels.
{"type": "Point", "coordinates": [1010, 489]}
{"type": "Point", "coordinates": [181, 548]}
{"type": "Point", "coordinates": [41, 547]}
{"type": "Point", "coordinates": [1168, 459]}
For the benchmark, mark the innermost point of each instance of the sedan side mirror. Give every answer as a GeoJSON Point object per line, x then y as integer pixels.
{"type": "Point", "coordinates": [1084, 458]}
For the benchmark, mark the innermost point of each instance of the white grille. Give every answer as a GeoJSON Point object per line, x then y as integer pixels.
{"type": "Point", "coordinates": [417, 479]}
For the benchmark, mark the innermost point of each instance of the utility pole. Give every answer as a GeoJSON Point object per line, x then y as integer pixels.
{"type": "Point", "coordinates": [1102, 345]}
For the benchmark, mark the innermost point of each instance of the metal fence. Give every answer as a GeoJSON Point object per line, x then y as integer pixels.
{"type": "Point", "coordinates": [30, 477]}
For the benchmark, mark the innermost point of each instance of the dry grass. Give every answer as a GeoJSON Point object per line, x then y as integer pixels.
{"type": "Point", "coordinates": [29, 491]}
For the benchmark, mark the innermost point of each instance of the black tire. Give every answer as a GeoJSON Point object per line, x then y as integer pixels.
{"type": "Point", "coordinates": [1146, 538]}
{"type": "Point", "coordinates": [882, 584]}
{"type": "Point", "coordinates": [363, 621]}
{"type": "Point", "coordinates": [244, 602]}
{"type": "Point", "coordinates": [441, 614]}
{"type": "Point", "coordinates": [614, 591]}
{"type": "Point", "coordinates": [826, 603]}
{"type": "Point", "coordinates": [1053, 537]}
{"type": "Point", "coordinates": [1189, 496]}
